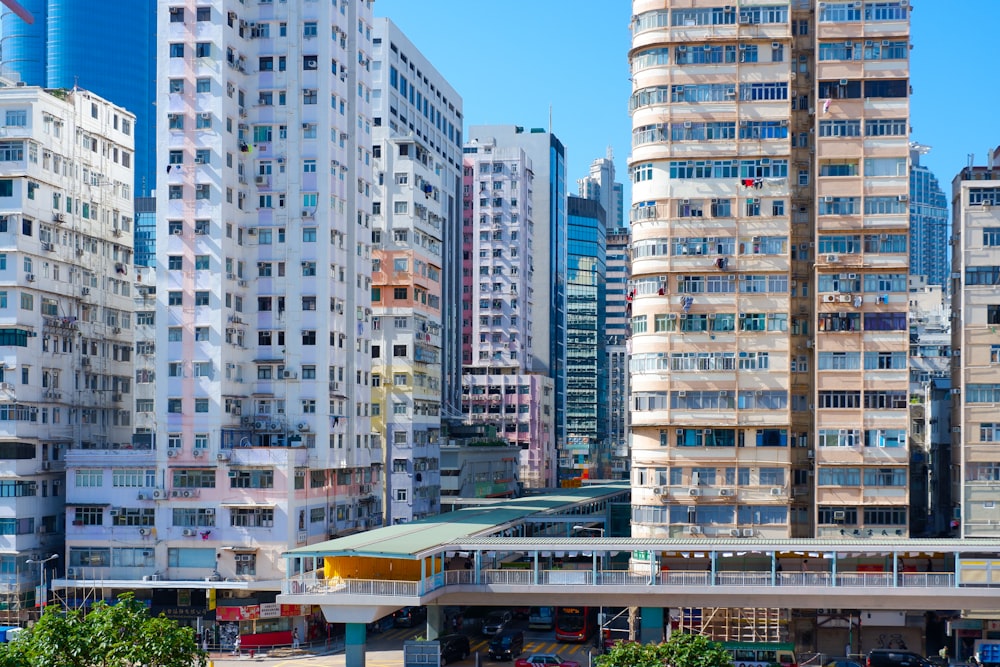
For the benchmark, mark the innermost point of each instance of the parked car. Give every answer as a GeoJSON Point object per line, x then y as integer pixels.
{"type": "Point", "coordinates": [495, 622]}
{"type": "Point", "coordinates": [407, 617]}
{"type": "Point", "coordinates": [891, 657]}
{"type": "Point", "coordinates": [545, 660]}
{"type": "Point", "coordinates": [506, 645]}
{"type": "Point", "coordinates": [842, 662]}
{"type": "Point", "coordinates": [454, 647]}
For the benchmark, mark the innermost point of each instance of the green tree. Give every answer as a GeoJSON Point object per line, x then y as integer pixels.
{"type": "Point", "coordinates": [119, 635]}
{"type": "Point", "coordinates": [680, 650]}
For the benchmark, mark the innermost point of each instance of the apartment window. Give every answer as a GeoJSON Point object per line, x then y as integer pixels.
{"type": "Point", "coordinates": [177, 50]}
{"type": "Point", "coordinates": [177, 85]}
{"type": "Point", "coordinates": [310, 29]}
{"type": "Point", "coordinates": [310, 96]}
{"type": "Point", "coordinates": [203, 49]}
{"type": "Point", "coordinates": [174, 405]}
{"type": "Point", "coordinates": [203, 86]}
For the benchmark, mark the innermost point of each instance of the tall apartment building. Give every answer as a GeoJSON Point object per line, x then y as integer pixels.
{"type": "Point", "coordinates": [600, 184]}
{"type": "Point", "coordinates": [929, 251]}
{"type": "Point", "coordinates": [586, 450]}
{"type": "Point", "coordinates": [547, 156]}
{"type": "Point", "coordinates": [502, 384]}
{"type": "Point", "coordinates": [114, 57]}
{"type": "Point", "coordinates": [769, 393]}
{"type": "Point", "coordinates": [616, 328]}
{"type": "Point", "coordinates": [66, 333]}
{"type": "Point", "coordinates": [975, 349]}
{"type": "Point", "coordinates": [263, 317]}
{"type": "Point", "coordinates": [417, 159]}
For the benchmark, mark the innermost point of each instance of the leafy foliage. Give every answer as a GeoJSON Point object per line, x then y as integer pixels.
{"type": "Point", "coordinates": [680, 650]}
{"type": "Point", "coordinates": [119, 635]}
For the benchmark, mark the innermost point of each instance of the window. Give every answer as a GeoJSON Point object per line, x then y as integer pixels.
{"type": "Point", "coordinates": [203, 49]}
{"type": "Point", "coordinates": [177, 50]}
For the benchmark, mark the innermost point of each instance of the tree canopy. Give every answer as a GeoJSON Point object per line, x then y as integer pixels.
{"type": "Point", "coordinates": [118, 635]}
{"type": "Point", "coordinates": [681, 650]}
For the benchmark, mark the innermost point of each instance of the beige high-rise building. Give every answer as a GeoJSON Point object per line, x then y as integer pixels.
{"type": "Point", "coordinates": [769, 261]}
{"type": "Point", "coordinates": [975, 345]}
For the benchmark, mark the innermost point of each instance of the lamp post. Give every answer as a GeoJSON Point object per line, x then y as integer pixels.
{"type": "Point", "coordinates": [42, 593]}
{"type": "Point", "coordinates": [599, 531]}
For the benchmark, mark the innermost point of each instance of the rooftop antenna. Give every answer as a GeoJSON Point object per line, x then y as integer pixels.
{"type": "Point", "coordinates": [550, 119]}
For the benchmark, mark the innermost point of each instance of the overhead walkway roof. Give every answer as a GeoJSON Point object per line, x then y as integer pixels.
{"type": "Point", "coordinates": [417, 539]}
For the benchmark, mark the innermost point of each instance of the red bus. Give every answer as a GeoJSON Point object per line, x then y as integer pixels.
{"type": "Point", "coordinates": [575, 624]}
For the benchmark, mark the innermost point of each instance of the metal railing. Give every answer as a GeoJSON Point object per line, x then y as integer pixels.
{"type": "Point", "coordinates": [310, 584]}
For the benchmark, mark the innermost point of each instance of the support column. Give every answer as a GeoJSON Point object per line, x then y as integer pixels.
{"type": "Point", "coordinates": [650, 627]}
{"type": "Point", "coordinates": [355, 644]}
{"type": "Point", "coordinates": [435, 622]}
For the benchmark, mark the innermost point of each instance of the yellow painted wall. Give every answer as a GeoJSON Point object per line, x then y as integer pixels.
{"type": "Point", "coordinates": [357, 567]}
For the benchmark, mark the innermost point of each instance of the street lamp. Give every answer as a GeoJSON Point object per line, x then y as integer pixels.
{"type": "Point", "coordinates": [42, 594]}
{"type": "Point", "coordinates": [599, 531]}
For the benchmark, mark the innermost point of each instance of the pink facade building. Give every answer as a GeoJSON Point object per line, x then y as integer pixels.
{"type": "Point", "coordinates": [499, 385]}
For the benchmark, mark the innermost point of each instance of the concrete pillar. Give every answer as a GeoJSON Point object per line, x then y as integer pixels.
{"type": "Point", "coordinates": [435, 622]}
{"type": "Point", "coordinates": [650, 627]}
{"type": "Point", "coordinates": [355, 645]}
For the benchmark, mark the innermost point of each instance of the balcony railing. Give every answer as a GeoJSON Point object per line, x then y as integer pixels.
{"type": "Point", "coordinates": [311, 584]}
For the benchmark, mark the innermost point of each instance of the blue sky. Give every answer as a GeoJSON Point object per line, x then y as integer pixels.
{"type": "Point", "coordinates": [512, 61]}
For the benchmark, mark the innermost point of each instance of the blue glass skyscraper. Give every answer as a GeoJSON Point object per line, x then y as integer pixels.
{"type": "Point", "coordinates": [104, 46]}
{"type": "Point", "coordinates": [929, 249]}
{"type": "Point", "coordinates": [586, 376]}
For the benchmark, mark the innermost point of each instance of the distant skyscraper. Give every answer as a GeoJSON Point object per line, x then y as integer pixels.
{"type": "Point", "coordinates": [101, 47]}
{"type": "Point", "coordinates": [416, 223]}
{"type": "Point", "coordinates": [586, 376]}
{"type": "Point", "coordinates": [548, 205]}
{"type": "Point", "coordinates": [600, 185]}
{"type": "Point", "coordinates": [929, 249]}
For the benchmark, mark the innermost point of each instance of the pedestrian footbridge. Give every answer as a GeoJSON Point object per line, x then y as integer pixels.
{"type": "Point", "coordinates": [552, 551]}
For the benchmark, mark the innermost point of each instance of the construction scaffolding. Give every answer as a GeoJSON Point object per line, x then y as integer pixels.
{"type": "Point", "coordinates": [736, 624]}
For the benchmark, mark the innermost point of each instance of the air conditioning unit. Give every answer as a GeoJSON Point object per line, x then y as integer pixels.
{"type": "Point", "coordinates": [30, 277]}
{"type": "Point", "coordinates": [198, 453]}
{"type": "Point", "coordinates": [159, 493]}
{"type": "Point", "coordinates": [832, 259]}
{"type": "Point", "coordinates": [734, 532]}
{"type": "Point", "coordinates": [839, 515]}
{"type": "Point", "coordinates": [288, 374]}
{"type": "Point", "coordinates": [775, 45]}
{"type": "Point", "coordinates": [222, 456]}
{"type": "Point", "coordinates": [777, 491]}
{"type": "Point", "coordinates": [252, 231]}
{"type": "Point", "coordinates": [694, 530]}
{"type": "Point", "coordinates": [902, 198]}
{"type": "Point", "coordinates": [209, 511]}
{"type": "Point", "coordinates": [661, 490]}
{"type": "Point", "coordinates": [190, 532]}
{"type": "Point", "coordinates": [748, 532]}
{"type": "Point", "coordinates": [726, 492]}
{"type": "Point", "coordinates": [85, 291]}
{"type": "Point", "coordinates": [177, 232]}
{"type": "Point", "coordinates": [303, 426]}
{"type": "Point", "coordinates": [59, 217]}
{"type": "Point", "coordinates": [144, 531]}
{"type": "Point", "coordinates": [261, 180]}
{"type": "Point", "coordinates": [171, 453]}
{"type": "Point", "coordinates": [694, 491]}
{"type": "Point", "coordinates": [143, 496]}
{"type": "Point", "coordinates": [71, 572]}
{"type": "Point", "coordinates": [47, 246]}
